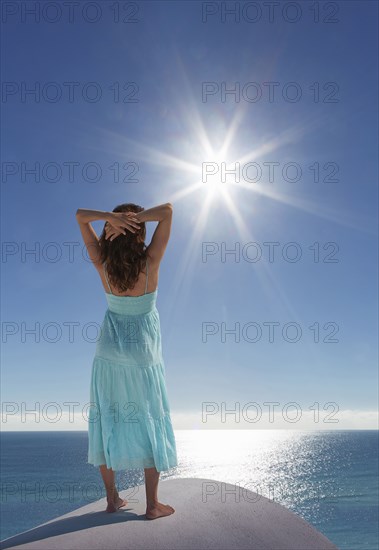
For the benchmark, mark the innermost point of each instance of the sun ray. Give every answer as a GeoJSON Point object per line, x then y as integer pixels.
{"type": "Point", "coordinates": [266, 277]}
{"type": "Point", "coordinates": [242, 228]}
{"type": "Point", "coordinates": [186, 267]}
{"type": "Point", "coordinates": [286, 137]}
{"type": "Point", "coordinates": [137, 150]}
{"type": "Point", "coordinates": [340, 218]}
{"type": "Point", "coordinates": [178, 195]}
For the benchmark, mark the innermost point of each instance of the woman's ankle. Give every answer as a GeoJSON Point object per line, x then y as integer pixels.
{"type": "Point", "coordinates": [150, 504]}
{"type": "Point", "coordinates": [110, 496]}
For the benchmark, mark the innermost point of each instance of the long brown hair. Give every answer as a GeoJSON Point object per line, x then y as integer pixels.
{"type": "Point", "coordinates": [126, 255]}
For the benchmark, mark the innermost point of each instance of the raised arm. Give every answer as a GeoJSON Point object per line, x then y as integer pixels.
{"type": "Point", "coordinates": [163, 215]}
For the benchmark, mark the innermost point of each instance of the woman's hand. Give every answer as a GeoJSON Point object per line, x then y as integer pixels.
{"type": "Point", "coordinates": [120, 222]}
{"type": "Point", "coordinates": [111, 233]}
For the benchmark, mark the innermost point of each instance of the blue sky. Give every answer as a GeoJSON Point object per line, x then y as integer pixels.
{"type": "Point", "coordinates": [167, 134]}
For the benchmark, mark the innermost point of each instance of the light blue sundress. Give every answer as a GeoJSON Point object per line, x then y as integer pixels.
{"type": "Point", "coordinates": [129, 424]}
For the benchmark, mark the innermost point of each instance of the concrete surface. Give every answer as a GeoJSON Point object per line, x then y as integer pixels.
{"type": "Point", "coordinates": [209, 514]}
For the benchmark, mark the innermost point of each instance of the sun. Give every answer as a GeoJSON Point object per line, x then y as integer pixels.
{"type": "Point", "coordinates": [216, 176]}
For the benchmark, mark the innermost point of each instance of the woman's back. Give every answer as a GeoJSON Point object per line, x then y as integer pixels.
{"type": "Point", "coordinates": [147, 281]}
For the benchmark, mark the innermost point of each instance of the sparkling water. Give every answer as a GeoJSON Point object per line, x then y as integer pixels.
{"type": "Point", "coordinates": [328, 478]}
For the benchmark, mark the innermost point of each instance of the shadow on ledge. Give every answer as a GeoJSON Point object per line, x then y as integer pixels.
{"type": "Point", "coordinates": [209, 515]}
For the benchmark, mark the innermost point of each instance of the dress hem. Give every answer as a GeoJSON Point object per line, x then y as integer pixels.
{"type": "Point", "coordinates": [138, 464]}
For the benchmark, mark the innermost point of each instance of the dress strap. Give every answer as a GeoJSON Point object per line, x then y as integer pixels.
{"type": "Point", "coordinates": [106, 277]}
{"type": "Point", "coordinates": [147, 273]}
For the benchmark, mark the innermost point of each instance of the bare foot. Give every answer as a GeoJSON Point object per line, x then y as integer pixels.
{"type": "Point", "coordinates": [111, 506]}
{"type": "Point", "coordinates": [114, 506]}
{"type": "Point", "coordinates": [159, 510]}
{"type": "Point", "coordinates": [120, 502]}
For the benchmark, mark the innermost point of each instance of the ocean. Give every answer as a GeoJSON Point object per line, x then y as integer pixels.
{"type": "Point", "coordinates": [330, 478]}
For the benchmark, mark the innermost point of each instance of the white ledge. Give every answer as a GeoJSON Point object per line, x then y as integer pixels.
{"type": "Point", "coordinates": [209, 515]}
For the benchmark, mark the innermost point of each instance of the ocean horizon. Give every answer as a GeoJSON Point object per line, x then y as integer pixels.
{"type": "Point", "coordinates": [329, 478]}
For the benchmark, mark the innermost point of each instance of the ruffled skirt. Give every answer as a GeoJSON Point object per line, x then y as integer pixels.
{"type": "Point", "coordinates": [129, 424]}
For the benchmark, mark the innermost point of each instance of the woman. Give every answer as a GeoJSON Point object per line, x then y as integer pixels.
{"type": "Point", "coordinates": [129, 419]}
